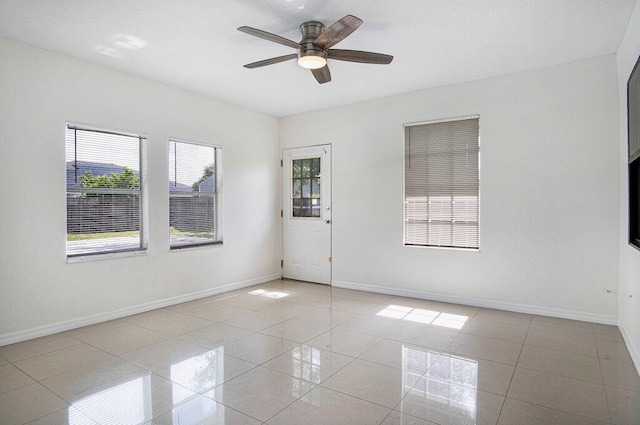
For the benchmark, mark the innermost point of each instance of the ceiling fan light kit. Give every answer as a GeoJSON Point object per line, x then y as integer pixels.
{"type": "Point", "coordinates": [315, 47]}
{"type": "Point", "coordinates": [312, 60]}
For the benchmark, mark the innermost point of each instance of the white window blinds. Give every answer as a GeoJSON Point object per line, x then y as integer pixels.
{"type": "Point", "coordinates": [441, 184]}
{"type": "Point", "coordinates": [106, 178]}
{"type": "Point", "coordinates": [195, 201]}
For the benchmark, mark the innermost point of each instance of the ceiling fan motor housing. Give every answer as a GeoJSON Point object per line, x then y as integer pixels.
{"type": "Point", "coordinates": [310, 31]}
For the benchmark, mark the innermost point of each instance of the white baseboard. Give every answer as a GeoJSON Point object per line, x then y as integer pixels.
{"type": "Point", "coordinates": [480, 302]}
{"type": "Point", "coordinates": [67, 325]}
{"type": "Point", "coordinates": [633, 349]}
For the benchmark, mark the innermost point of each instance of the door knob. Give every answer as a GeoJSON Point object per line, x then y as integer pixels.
{"type": "Point", "coordinates": [327, 221]}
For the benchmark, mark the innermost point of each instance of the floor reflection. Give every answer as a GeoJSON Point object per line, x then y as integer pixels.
{"type": "Point", "coordinates": [202, 372]}
{"type": "Point", "coordinates": [128, 402]}
{"type": "Point", "coordinates": [448, 390]}
{"type": "Point", "coordinates": [73, 417]}
{"type": "Point", "coordinates": [415, 362]}
{"type": "Point", "coordinates": [306, 364]}
{"type": "Point", "coordinates": [269, 294]}
{"type": "Point", "coordinates": [141, 398]}
{"type": "Point", "coordinates": [197, 411]}
{"type": "Point", "coordinates": [419, 315]}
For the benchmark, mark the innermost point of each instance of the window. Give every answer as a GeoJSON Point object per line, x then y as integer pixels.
{"type": "Point", "coordinates": [305, 187]}
{"type": "Point", "coordinates": [441, 184]}
{"type": "Point", "coordinates": [106, 179]}
{"type": "Point", "coordinates": [194, 194]}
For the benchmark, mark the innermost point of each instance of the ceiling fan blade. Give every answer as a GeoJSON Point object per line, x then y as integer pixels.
{"type": "Point", "coordinates": [322, 74]}
{"type": "Point", "coordinates": [337, 32]}
{"type": "Point", "coordinates": [271, 61]}
{"type": "Point", "coordinates": [359, 56]}
{"type": "Point", "coordinates": [268, 36]}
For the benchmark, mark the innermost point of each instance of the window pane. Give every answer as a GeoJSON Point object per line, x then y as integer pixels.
{"type": "Point", "coordinates": [315, 188]}
{"type": "Point", "coordinates": [105, 177]}
{"type": "Point", "coordinates": [306, 168]}
{"type": "Point", "coordinates": [297, 166]}
{"type": "Point", "coordinates": [295, 207]}
{"type": "Point", "coordinates": [315, 172]}
{"type": "Point", "coordinates": [315, 208]}
{"type": "Point", "coordinates": [193, 194]}
{"type": "Point", "coordinates": [306, 208]}
{"type": "Point", "coordinates": [306, 188]}
{"type": "Point", "coordinates": [296, 192]}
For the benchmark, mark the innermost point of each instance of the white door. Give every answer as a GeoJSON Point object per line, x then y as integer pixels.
{"type": "Point", "coordinates": [306, 213]}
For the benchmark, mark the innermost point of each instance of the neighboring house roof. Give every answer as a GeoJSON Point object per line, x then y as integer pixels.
{"type": "Point", "coordinates": [100, 169]}
{"type": "Point", "coordinates": [208, 184]}
{"type": "Point", "coordinates": [179, 187]}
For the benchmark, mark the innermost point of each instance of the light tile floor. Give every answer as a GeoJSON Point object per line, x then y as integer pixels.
{"type": "Point", "coordinates": [289, 352]}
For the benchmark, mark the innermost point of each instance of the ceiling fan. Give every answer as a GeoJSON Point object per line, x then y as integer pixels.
{"type": "Point", "coordinates": [315, 47]}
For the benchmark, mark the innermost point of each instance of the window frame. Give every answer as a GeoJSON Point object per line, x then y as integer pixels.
{"type": "Point", "coordinates": [403, 200]}
{"type": "Point", "coordinates": [143, 246]}
{"type": "Point", "coordinates": [217, 204]}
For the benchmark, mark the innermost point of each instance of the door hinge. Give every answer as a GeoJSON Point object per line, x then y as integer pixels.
{"type": "Point", "coordinates": [281, 263]}
{"type": "Point", "coordinates": [330, 260]}
{"type": "Point", "coordinates": [281, 163]}
{"type": "Point", "coordinates": [281, 213]}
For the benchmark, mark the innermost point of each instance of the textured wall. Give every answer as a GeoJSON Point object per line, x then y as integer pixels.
{"type": "Point", "coordinates": [629, 257]}
{"type": "Point", "coordinates": [39, 92]}
{"type": "Point", "coordinates": [549, 188]}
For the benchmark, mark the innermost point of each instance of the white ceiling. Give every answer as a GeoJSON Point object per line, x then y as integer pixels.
{"type": "Point", "coordinates": [194, 44]}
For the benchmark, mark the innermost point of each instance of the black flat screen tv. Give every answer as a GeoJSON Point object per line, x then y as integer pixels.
{"type": "Point", "coordinates": [633, 120]}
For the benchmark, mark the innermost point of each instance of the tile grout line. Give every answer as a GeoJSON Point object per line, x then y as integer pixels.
{"type": "Point", "coordinates": [49, 413]}
{"type": "Point", "coordinates": [515, 369]}
{"type": "Point", "coordinates": [54, 351]}
{"type": "Point", "coordinates": [547, 407]}
{"type": "Point", "coordinates": [604, 387]}
{"type": "Point", "coordinates": [357, 398]}
{"type": "Point", "coordinates": [13, 363]}
{"type": "Point", "coordinates": [294, 401]}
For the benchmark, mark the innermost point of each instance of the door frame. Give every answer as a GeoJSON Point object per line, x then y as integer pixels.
{"type": "Point", "coordinates": [284, 191]}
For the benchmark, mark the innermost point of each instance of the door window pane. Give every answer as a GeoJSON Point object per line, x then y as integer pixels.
{"type": "Point", "coordinates": [305, 187]}
{"type": "Point", "coordinates": [306, 168]}
{"type": "Point", "coordinates": [296, 189]}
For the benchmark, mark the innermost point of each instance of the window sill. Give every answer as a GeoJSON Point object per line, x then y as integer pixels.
{"type": "Point", "coordinates": [105, 256]}
{"type": "Point", "coordinates": [194, 246]}
{"type": "Point", "coordinates": [447, 248]}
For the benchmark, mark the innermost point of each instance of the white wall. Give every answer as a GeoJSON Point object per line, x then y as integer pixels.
{"type": "Point", "coordinates": [628, 53]}
{"type": "Point", "coordinates": [549, 191]}
{"type": "Point", "coordinates": [39, 92]}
